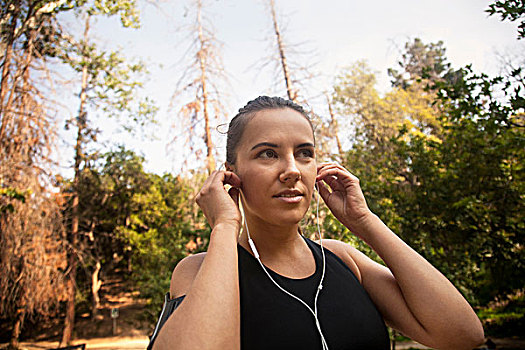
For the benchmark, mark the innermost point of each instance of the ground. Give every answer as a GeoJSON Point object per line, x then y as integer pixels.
{"type": "Point", "coordinates": [132, 330]}
{"type": "Point", "coordinates": [141, 342]}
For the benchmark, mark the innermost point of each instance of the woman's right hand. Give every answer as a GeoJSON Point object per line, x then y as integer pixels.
{"type": "Point", "coordinates": [218, 205]}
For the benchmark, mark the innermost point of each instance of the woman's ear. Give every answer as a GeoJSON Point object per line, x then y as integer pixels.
{"type": "Point", "coordinates": [229, 167]}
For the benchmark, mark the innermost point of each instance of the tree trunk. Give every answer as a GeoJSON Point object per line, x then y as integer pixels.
{"type": "Point", "coordinates": [8, 55]}
{"type": "Point", "coordinates": [292, 95]}
{"type": "Point", "coordinates": [210, 161]}
{"type": "Point", "coordinates": [96, 283]}
{"type": "Point", "coordinates": [22, 72]}
{"type": "Point", "coordinates": [334, 131]}
{"type": "Point", "coordinates": [75, 215]}
{"type": "Point", "coordinates": [17, 325]}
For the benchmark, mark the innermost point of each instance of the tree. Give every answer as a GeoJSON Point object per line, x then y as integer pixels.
{"type": "Point", "coordinates": [462, 223]}
{"type": "Point", "coordinates": [469, 185]}
{"type": "Point", "coordinates": [163, 230]}
{"type": "Point", "coordinates": [421, 62]}
{"type": "Point", "coordinates": [333, 130]}
{"type": "Point", "coordinates": [139, 218]}
{"type": "Point", "coordinates": [370, 121]}
{"type": "Point", "coordinates": [442, 167]}
{"type": "Point", "coordinates": [511, 10]}
{"type": "Point", "coordinates": [108, 85]}
{"type": "Point", "coordinates": [31, 231]}
{"type": "Point", "coordinates": [376, 119]}
{"type": "Point", "coordinates": [285, 56]}
{"type": "Point", "coordinates": [200, 82]}
{"type": "Point", "coordinates": [290, 91]}
{"type": "Point", "coordinates": [32, 256]}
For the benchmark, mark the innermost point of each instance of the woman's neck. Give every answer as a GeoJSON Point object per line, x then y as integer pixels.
{"type": "Point", "coordinates": [273, 241]}
{"type": "Point", "coordinates": [281, 249]}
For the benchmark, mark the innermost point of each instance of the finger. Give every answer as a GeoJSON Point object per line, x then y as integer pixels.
{"type": "Point", "coordinates": [328, 166]}
{"type": "Point", "coordinates": [232, 179]}
{"type": "Point", "coordinates": [216, 181]}
{"type": "Point", "coordinates": [324, 192]}
{"type": "Point", "coordinates": [337, 181]}
{"type": "Point", "coordinates": [323, 168]}
{"type": "Point", "coordinates": [210, 182]}
{"type": "Point", "coordinates": [234, 193]}
{"type": "Point", "coordinates": [334, 184]}
{"type": "Point", "coordinates": [334, 172]}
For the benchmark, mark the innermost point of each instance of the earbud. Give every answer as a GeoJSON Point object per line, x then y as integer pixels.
{"type": "Point", "coordinates": [254, 250]}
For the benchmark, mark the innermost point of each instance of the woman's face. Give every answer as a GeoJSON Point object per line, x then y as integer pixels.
{"type": "Point", "coordinates": [277, 167]}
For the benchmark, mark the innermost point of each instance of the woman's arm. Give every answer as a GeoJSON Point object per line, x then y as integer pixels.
{"type": "Point", "coordinates": [209, 316]}
{"type": "Point", "coordinates": [413, 296]}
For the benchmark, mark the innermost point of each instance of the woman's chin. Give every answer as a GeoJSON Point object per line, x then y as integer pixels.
{"type": "Point", "coordinates": [279, 215]}
{"type": "Point", "coordinates": [289, 218]}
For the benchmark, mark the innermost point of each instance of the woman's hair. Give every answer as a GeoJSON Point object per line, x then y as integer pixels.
{"type": "Point", "coordinates": [246, 113]}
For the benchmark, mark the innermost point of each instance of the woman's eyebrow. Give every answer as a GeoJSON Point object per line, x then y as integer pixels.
{"type": "Point", "coordinates": [269, 144]}
{"type": "Point", "coordinates": [306, 144]}
{"type": "Point", "coordinates": [265, 144]}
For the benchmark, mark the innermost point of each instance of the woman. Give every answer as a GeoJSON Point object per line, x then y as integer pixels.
{"type": "Point", "coordinates": [299, 294]}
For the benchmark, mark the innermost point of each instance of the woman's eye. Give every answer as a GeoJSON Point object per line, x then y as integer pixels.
{"type": "Point", "coordinates": [269, 153]}
{"type": "Point", "coordinates": [305, 153]}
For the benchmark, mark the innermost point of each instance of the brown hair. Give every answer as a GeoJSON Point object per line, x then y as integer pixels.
{"type": "Point", "coordinates": [246, 113]}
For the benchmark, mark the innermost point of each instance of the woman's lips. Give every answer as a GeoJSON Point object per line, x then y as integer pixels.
{"type": "Point", "coordinates": [290, 198]}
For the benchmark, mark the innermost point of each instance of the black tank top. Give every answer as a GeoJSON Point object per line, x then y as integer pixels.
{"type": "Point", "coordinates": [271, 319]}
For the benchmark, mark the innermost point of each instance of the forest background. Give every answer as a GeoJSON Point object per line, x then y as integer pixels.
{"type": "Point", "coordinates": [101, 154]}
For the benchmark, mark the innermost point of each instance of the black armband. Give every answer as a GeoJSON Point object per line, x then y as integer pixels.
{"type": "Point", "coordinates": [167, 309]}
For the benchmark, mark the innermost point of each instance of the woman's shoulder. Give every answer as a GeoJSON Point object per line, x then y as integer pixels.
{"type": "Point", "coordinates": [184, 273]}
{"type": "Point", "coordinates": [345, 252]}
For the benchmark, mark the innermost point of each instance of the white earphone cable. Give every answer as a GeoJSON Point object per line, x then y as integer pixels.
{"type": "Point", "coordinates": [314, 313]}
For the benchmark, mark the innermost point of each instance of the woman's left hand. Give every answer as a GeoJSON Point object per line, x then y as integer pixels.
{"type": "Point", "coordinates": [345, 198]}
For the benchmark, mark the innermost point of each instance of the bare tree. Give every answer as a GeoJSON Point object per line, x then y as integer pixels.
{"type": "Point", "coordinates": [293, 61]}
{"type": "Point", "coordinates": [31, 231]}
{"type": "Point", "coordinates": [198, 89]}
{"type": "Point", "coordinates": [291, 92]}
{"type": "Point", "coordinates": [510, 61]}
{"type": "Point", "coordinates": [334, 126]}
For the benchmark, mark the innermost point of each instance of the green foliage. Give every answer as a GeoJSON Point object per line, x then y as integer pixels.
{"type": "Point", "coordinates": [28, 23]}
{"type": "Point", "coordinates": [504, 318]}
{"type": "Point", "coordinates": [113, 84]}
{"type": "Point", "coordinates": [478, 171]}
{"type": "Point", "coordinates": [9, 193]}
{"type": "Point", "coordinates": [125, 9]}
{"type": "Point", "coordinates": [373, 158]}
{"type": "Point", "coordinates": [453, 192]}
{"type": "Point", "coordinates": [139, 221]}
{"type": "Point", "coordinates": [157, 233]}
{"type": "Point", "coordinates": [512, 10]}
{"type": "Point", "coordinates": [376, 118]}
{"type": "Point", "coordinates": [420, 61]}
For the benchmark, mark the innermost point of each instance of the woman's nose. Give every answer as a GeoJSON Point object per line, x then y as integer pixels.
{"type": "Point", "coordinates": [290, 171]}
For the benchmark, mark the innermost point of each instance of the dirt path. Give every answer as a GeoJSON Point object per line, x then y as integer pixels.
{"type": "Point", "coordinates": [136, 343]}
{"type": "Point", "coordinates": [110, 343]}
{"type": "Point", "coordinates": [141, 342]}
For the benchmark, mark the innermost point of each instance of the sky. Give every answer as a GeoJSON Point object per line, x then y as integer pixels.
{"type": "Point", "coordinates": [332, 33]}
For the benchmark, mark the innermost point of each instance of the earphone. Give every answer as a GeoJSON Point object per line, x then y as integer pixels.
{"type": "Point", "coordinates": [319, 288]}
